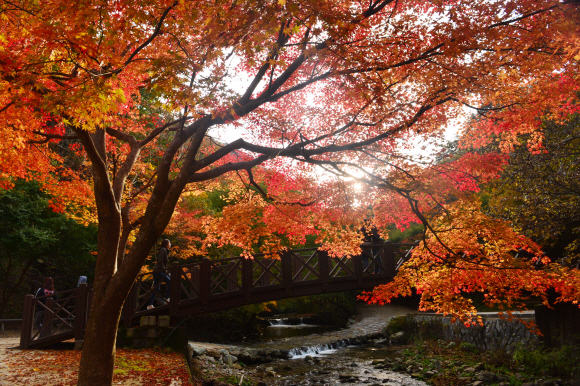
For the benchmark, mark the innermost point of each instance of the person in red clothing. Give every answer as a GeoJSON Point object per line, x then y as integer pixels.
{"type": "Point", "coordinates": [159, 272]}
{"type": "Point", "coordinates": [46, 289]}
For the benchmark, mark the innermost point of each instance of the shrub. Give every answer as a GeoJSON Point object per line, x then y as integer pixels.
{"type": "Point", "coordinates": [562, 362]}
{"type": "Point", "coordinates": [467, 347]}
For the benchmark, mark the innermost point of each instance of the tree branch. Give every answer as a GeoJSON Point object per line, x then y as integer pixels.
{"type": "Point", "coordinates": [229, 167]}
{"type": "Point", "coordinates": [48, 137]}
{"type": "Point", "coordinates": [153, 35]}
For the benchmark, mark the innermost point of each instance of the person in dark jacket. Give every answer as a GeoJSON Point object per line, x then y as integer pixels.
{"type": "Point", "coordinates": [159, 270]}
{"type": "Point", "coordinates": [46, 289]}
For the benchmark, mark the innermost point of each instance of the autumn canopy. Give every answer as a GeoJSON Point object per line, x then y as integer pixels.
{"type": "Point", "coordinates": [308, 110]}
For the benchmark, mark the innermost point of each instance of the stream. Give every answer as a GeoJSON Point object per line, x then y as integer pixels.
{"type": "Point", "coordinates": [320, 356]}
{"type": "Point", "coordinates": [349, 365]}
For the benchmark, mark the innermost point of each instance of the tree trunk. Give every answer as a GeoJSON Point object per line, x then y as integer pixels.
{"type": "Point", "coordinates": [98, 357]}
{"type": "Point", "coordinates": [109, 294]}
{"type": "Point", "coordinates": [113, 282]}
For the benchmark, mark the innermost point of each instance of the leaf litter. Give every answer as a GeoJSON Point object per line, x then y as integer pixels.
{"type": "Point", "coordinates": [132, 368]}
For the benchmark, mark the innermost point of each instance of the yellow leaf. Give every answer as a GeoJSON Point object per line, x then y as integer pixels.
{"type": "Point", "coordinates": [282, 2]}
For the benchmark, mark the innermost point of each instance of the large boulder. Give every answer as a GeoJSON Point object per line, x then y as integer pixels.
{"type": "Point", "coordinates": [214, 353]}
{"type": "Point", "coordinates": [248, 356]}
{"type": "Point", "coordinates": [385, 332]}
{"type": "Point", "coordinates": [284, 354]}
{"type": "Point", "coordinates": [229, 359]}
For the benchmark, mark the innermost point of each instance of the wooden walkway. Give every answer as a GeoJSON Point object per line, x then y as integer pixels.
{"type": "Point", "coordinates": [214, 285]}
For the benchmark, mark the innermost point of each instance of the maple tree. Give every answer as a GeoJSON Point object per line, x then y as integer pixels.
{"type": "Point", "coordinates": [141, 88]}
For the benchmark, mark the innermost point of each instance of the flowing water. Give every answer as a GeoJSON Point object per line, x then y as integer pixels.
{"type": "Point", "coordinates": [349, 365]}
{"type": "Point", "coordinates": [324, 357]}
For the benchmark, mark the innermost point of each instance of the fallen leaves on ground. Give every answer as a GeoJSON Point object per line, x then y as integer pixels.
{"type": "Point", "coordinates": [132, 367]}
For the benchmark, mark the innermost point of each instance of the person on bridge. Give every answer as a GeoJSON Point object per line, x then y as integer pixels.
{"type": "Point", "coordinates": [159, 272]}
{"type": "Point", "coordinates": [46, 289]}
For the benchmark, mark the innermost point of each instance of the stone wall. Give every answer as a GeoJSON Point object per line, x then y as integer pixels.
{"type": "Point", "coordinates": [495, 334]}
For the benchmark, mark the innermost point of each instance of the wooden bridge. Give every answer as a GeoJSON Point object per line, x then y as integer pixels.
{"type": "Point", "coordinates": [214, 285]}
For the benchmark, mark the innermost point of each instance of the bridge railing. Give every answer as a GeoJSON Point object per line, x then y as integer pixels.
{"type": "Point", "coordinates": [62, 316]}
{"type": "Point", "coordinates": [242, 278]}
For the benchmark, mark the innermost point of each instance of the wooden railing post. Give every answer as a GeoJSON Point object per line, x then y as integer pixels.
{"type": "Point", "coordinates": [175, 288]}
{"type": "Point", "coordinates": [48, 316]}
{"type": "Point", "coordinates": [287, 271]}
{"type": "Point", "coordinates": [205, 282]}
{"type": "Point", "coordinates": [81, 311]}
{"type": "Point", "coordinates": [247, 278]}
{"type": "Point", "coordinates": [128, 306]}
{"type": "Point", "coordinates": [388, 259]}
{"type": "Point", "coordinates": [324, 264]}
{"type": "Point", "coordinates": [27, 320]}
{"type": "Point", "coordinates": [358, 268]}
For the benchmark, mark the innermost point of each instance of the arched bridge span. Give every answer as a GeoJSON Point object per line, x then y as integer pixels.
{"type": "Point", "coordinates": [214, 285]}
